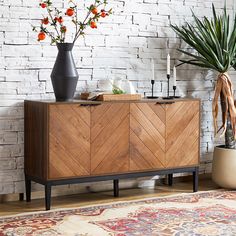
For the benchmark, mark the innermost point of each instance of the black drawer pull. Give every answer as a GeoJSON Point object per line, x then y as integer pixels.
{"type": "Point", "coordinates": [165, 102]}
{"type": "Point", "coordinates": [90, 105]}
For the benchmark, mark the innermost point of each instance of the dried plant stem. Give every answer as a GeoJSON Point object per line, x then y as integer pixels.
{"type": "Point", "coordinates": [78, 32]}
{"type": "Point", "coordinates": [50, 15]}
{"type": "Point", "coordinates": [224, 89]}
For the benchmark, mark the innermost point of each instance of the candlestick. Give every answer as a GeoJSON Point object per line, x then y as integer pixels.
{"type": "Point", "coordinates": [168, 85]}
{"type": "Point", "coordinates": [168, 88]}
{"type": "Point", "coordinates": [152, 97]}
{"type": "Point", "coordinates": [174, 88]}
{"type": "Point", "coordinates": [152, 82]}
{"type": "Point", "coordinates": [153, 70]}
{"type": "Point", "coordinates": [174, 76]}
{"type": "Point", "coordinates": [168, 64]}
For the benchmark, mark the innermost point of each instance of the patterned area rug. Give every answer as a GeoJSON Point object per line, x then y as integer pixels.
{"type": "Point", "coordinates": [205, 213]}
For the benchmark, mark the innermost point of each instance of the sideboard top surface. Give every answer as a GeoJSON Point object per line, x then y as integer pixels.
{"type": "Point", "coordinates": [77, 101]}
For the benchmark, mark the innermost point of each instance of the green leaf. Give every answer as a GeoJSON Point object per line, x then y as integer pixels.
{"type": "Point", "coordinates": [195, 63]}
{"type": "Point", "coordinates": [199, 59]}
{"type": "Point", "coordinates": [213, 40]}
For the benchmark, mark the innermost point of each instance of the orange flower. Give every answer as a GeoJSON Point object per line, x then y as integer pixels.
{"type": "Point", "coordinates": [56, 17]}
{"type": "Point", "coordinates": [60, 20]}
{"type": "Point", "coordinates": [70, 12]}
{"type": "Point", "coordinates": [43, 5]}
{"type": "Point", "coordinates": [93, 24]}
{"type": "Point", "coordinates": [41, 36]}
{"type": "Point", "coordinates": [94, 10]}
{"type": "Point", "coordinates": [103, 14]}
{"type": "Point", "coordinates": [63, 29]}
{"type": "Point", "coordinates": [45, 21]}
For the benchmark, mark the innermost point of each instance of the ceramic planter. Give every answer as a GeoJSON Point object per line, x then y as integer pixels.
{"type": "Point", "coordinates": [224, 167]}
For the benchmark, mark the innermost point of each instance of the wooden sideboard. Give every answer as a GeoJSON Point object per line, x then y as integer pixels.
{"type": "Point", "coordinates": [84, 141]}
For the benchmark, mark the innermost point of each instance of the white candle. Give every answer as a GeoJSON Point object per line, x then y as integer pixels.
{"type": "Point", "coordinates": [153, 70]}
{"type": "Point", "coordinates": [168, 64]}
{"type": "Point", "coordinates": [174, 76]}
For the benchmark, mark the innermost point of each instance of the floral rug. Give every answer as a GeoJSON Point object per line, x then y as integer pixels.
{"type": "Point", "coordinates": [205, 213]}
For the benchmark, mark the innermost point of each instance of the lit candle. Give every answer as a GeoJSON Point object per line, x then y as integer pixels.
{"type": "Point", "coordinates": [168, 64]}
{"type": "Point", "coordinates": [174, 76]}
{"type": "Point", "coordinates": [153, 70]}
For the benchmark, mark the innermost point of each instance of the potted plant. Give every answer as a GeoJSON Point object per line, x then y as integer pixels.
{"type": "Point", "coordinates": [54, 24]}
{"type": "Point", "coordinates": [214, 44]}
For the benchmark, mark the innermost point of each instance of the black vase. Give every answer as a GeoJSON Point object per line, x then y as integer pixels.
{"type": "Point", "coordinates": [64, 75]}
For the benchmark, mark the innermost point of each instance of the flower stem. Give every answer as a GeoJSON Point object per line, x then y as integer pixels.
{"type": "Point", "coordinates": [54, 24]}
{"type": "Point", "coordinates": [78, 33]}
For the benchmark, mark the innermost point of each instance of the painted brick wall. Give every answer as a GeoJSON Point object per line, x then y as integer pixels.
{"type": "Point", "coordinates": [121, 47]}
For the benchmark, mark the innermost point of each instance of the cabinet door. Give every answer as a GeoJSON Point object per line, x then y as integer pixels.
{"type": "Point", "coordinates": [69, 141]}
{"type": "Point", "coordinates": [147, 136]}
{"type": "Point", "coordinates": [182, 134]}
{"type": "Point", "coordinates": [110, 138]}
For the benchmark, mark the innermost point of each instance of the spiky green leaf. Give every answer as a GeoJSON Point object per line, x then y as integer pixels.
{"type": "Point", "coordinates": [213, 40]}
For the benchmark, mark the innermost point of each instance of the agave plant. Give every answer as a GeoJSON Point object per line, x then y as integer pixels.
{"type": "Point", "coordinates": [214, 44]}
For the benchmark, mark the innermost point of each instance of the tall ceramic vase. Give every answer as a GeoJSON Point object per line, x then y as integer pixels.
{"type": "Point", "coordinates": [64, 75]}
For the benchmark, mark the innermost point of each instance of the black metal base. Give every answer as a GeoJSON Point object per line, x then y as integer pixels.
{"type": "Point", "coordinates": [195, 180]}
{"type": "Point", "coordinates": [49, 183]}
{"type": "Point", "coordinates": [48, 188]}
{"type": "Point", "coordinates": [28, 188]}
{"type": "Point", "coordinates": [170, 179]}
{"type": "Point", "coordinates": [21, 196]}
{"type": "Point", "coordinates": [116, 187]}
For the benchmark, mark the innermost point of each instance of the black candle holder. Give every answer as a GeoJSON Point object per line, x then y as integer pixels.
{"type": "Point", "coordinates": [152, 97]}
{"type": "Point", "coordinates": [174, 89]}
{"type": "Point", "coordinates": [168, 88]}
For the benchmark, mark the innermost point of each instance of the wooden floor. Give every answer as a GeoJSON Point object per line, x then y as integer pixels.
{"type": "Point", "coordinates": [86, 199]}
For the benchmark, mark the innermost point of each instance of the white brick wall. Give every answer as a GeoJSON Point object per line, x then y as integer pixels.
{"type": "Point", "coordinates": [122, 46]}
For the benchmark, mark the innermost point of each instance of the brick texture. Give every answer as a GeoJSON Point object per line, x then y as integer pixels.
{"type": "Point", "coordinates": [121, 47]}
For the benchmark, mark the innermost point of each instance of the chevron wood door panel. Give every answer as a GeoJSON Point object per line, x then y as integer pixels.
{"type": "Point", "coordinates": [69, 141]}
{"type": "Point", "coordinates": [147, 136]}
{"type": "Point", "coordinates": [182, 134]}
{"type": "Point", "coordinates": [110, 138]}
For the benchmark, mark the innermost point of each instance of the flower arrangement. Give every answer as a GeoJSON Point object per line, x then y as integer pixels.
{"type": "Point", "coordinates": [53, 24]}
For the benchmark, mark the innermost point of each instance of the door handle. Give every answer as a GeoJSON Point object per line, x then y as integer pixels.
{"type": "Point", "coordinates": [90, 105]}
{"type": "Point", "coordinates": [165, 102]}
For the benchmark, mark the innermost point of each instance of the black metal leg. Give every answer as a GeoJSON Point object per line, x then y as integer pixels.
{"type": "Point", "coordinates": [195, 180]}
{"type": "Point", "coordinates": [28, 189]}
{"type": "Point", "coordinates": [21, 196]}
{"type": "Point", "coordinates": [48, 188]}
{"type": "Point", "coordinates": [170, 179]}
{"type": "Point", "coordinates": [116, 187]}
